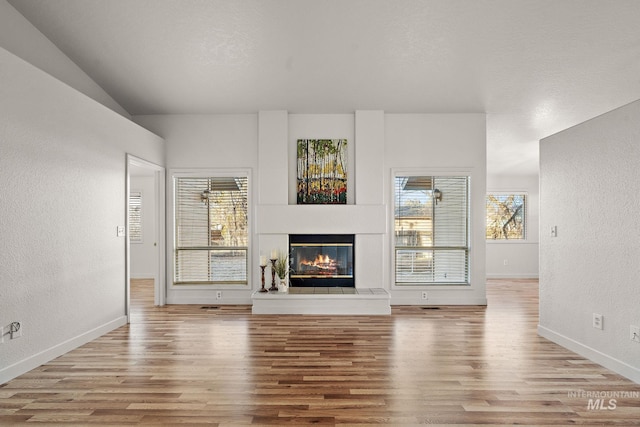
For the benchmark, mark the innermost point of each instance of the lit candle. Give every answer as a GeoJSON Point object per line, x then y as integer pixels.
{"type": "Point", "coordinates": [263, 260]}
{"type": "Point", "coordinates": [274, 254]}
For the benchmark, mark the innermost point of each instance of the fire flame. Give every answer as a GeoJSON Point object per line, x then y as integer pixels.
{"type": "Point", "coordinates": [321, 261]}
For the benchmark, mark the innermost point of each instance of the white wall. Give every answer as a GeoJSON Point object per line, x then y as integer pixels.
{"type": "Point", "coordinates": [20, 37]}
{"type": "Point", "coordinates": [265, 144]}
{"type": "Point", "coordinates": [206, 142]}
{"type": "Point", "coordinates": [321, 126]}
{"type": "Point", "coordinates": [144, 255]}
{"type": "Point", "coordinates": [63, 167]}
{"type": "Point", "coordinates": [521, 256]}
{"type": "Point", "coordinates": [277, 216]}
{"type": "Point", "coordinates": [441, 144]}
{"type": "Point", "coordinates": [589, 190]}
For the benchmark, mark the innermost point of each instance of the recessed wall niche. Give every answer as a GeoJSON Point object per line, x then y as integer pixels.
{"type": "Point", "coordinates": [321, 127]}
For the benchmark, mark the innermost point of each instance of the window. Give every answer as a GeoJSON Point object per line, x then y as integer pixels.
{"type": "Point", "coordinates": [506, 216]}
{"type": "Point", "coordinates": [431, 222]}
{"type": "Point", "coordinates": [211, 230]}
{"type": "Point", "coordinates": [135, 217]}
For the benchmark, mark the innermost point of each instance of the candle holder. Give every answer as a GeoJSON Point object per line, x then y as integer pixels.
{"type": "Point", "coordinates": [273, 275]}
{"type": "Point", "coordinates": [263, 289]}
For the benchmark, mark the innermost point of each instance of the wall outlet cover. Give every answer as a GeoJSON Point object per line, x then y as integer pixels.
{"type": "Point", "coordinates": [598, 321]}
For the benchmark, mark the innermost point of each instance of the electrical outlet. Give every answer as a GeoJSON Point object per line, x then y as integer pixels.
{"type": "Point", "coordinates": [598, 321]}
{"type": "Point", "coordinates": [424, 295]}
{"type": "Point", "coordinates": [15, 330]}
{"type": "Point", "coordinates": [635, 333]}
{"type": "Point", "coordinates": [506, 262]}
{"type": "Point", "coordinates": [219, 295]}
{"type": "Point", "coordinates": [554, 231]}
{"type": "Point", "coordinates": [11, 331]}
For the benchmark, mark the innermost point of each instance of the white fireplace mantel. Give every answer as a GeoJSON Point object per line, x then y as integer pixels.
{"type": "Point", "coordinates": [321, 219]}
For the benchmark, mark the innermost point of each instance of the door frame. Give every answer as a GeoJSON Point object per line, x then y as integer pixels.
{"type": "Point", "coordinates": [159, 293]}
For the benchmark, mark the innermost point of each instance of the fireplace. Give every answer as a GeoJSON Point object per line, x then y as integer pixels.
{"type": "Point", "coordinates": [322, 260]}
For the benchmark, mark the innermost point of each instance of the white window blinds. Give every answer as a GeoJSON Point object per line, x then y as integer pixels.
{"type": "Point", "coordinates": [431, 230]}
{"type": "Point", "coordinates": [211, 230]}
{"type": "Point", "coordinates": [135, 217]}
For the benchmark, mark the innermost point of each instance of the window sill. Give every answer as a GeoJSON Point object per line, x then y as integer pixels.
{"type": "Point", "coordinates": [511, 242]}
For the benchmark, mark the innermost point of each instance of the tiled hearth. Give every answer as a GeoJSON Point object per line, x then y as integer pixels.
{"type": "Point", "coordinates": [323, 300]}
{"type": "Point", "coordinates": [319, 290]}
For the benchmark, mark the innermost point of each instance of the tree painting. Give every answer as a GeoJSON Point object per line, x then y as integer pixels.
{"type": "Point", "coordinates": [505, 216]}
{"type": "Point", "coordinates": [322, 171]}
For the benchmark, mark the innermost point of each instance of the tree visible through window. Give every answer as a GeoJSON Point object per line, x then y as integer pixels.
{"type": "Point", "coordinates": [211, 230]}
{"type": "Point", "coordinates": [506, 216]}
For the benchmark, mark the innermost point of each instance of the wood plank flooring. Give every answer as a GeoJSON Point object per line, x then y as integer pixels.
{"type": "Point", "coordinates": [224, 366]}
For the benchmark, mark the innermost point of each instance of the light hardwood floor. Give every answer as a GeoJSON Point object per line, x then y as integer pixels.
{"type": "Point", "coordinates": [225, 366]}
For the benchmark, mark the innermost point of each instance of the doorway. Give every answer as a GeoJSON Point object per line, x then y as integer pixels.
{"type": "Point", "coordinates": [145, 247]}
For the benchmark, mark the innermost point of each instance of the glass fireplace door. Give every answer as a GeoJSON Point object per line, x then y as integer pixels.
{"type": "Point", "coordinates": [321, 260]}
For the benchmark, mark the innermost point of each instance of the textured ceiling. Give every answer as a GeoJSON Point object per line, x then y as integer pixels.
{"type": "Point", "coordinates": [535, 67]}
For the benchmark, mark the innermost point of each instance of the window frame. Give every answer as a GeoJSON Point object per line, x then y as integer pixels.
{"type": "Point", "coordinates": [172, 236]}
{"type": "Point", "coordinates": [442, 173]}
{"type": "Point", "coordinates": [527, 201]}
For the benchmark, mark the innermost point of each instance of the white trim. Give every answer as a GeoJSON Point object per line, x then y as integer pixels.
{"type": "Point", "coordinates": [38, 359]}
{"type": "Point", "coordinates": [592, 354]}
{"type": "Point", "coordinates": [144, 276]}
{"type": "Point", "coordinates": [513, 276]}
{"type": "Point", "coordinates": [211, 286]}
{"type": "Point", "coordinates": [454, 172]}
{"type": "Point", "coordinates": [159, 293]}
{"type": "Point", "coordinates": [511, 242]}
{"type": "Point", "coordinates": [171, 229]}
{"type": "Point", "coordinates": [433, 287]}
{"type": "Point", "coordinates": [208, 172]}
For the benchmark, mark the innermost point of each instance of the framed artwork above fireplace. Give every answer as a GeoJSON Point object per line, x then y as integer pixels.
{"type": "Point", "coordinates": [321, 171]}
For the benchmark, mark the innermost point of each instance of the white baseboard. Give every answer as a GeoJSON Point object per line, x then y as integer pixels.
{"type": "Point", "coordinates": [592, 354]}
{"type": "Point", "coordinates": [142, 276]}
{"type": "Point", "coordinates": [512, 276]}
{"type": "Point", "coordinates": [32, 362]}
